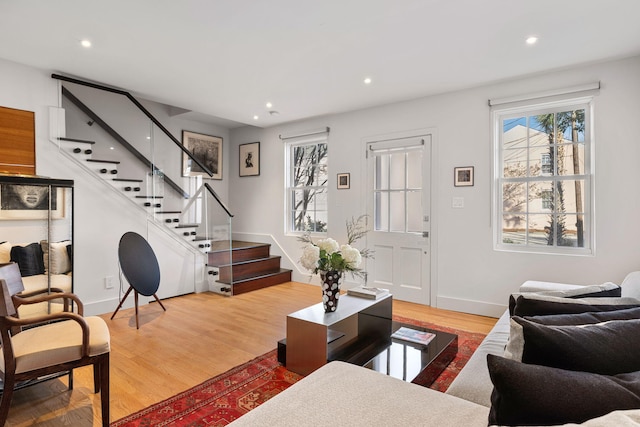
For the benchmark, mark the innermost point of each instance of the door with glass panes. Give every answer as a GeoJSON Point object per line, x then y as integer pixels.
{"type": "Point", "coordinates": [399, 204]}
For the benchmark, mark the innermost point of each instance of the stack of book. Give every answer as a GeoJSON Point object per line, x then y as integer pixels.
{"type": "Point", "coordinates": [367, 292]}
{"type": "Point", "coordinates": [408, 334]}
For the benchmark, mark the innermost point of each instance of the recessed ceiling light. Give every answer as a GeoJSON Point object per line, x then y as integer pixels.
{"type": "Point", "coordinates": [255, 117]}
{"type": "Point", "coordinates": [532, 40]}
{"type": "Point", "coordinates": [367, 80]}
{"type": "Point", "coordinates": [85, 43]}
{"type": "Point", "coordinates": [269, 105]}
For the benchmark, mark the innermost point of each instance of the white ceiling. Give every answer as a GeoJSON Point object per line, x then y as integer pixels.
{"type": "Point", "coordinates": [227, 58]}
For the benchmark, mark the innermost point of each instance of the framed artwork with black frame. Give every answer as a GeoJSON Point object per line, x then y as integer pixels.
{"type": "Point", "coordinates": [344, 181]}
{"type": "Point", "coordinates": [463, 176]}
{"type": "Point", "coordinates": [207, 149]}
{"type": "Point", "coordinates": [249, 158]}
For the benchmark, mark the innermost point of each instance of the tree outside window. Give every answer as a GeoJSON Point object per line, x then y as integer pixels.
{"type": "Point", "coordinates": [544, 158]}
{"type": "Point", "coordinates": [307, 189]}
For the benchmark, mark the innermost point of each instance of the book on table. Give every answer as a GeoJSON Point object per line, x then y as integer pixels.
{"type": "Point", "coordinates": [367, 292]}
{"type": "Point", "coordinates": [413, 335]}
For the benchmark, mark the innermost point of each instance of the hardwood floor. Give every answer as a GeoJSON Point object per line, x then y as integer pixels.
{"type": "Point", "coordinates": [198, 337]}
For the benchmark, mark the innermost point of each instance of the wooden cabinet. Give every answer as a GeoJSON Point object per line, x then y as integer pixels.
{"type": "Point", "coordinates": [17, 141]}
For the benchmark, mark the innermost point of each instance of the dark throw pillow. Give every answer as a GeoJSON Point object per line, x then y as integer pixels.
{"type": "Point", "coordinates": [605, 290]}
{"type": "Point", "coordinates": [29, 259]}
{"type": "Point", "coordinates": [607, 348]}
{"type": "Point", "coordinates": [540, 305]}
{"type": "Point", "coordinates": [526, 394]}
{"type": "Point", "coordinates": [586, 318]}
{"type": "Point", "coordinates": [70, 254]}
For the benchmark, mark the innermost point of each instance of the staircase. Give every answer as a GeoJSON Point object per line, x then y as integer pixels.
{"type": "Point", "coordinates": [244, 267]}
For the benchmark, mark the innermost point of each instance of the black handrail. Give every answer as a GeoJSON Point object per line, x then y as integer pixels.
{"type": "Point", "coordinates": [141, 108]}
{"type": "Point", "coordinates": [115, 135]}
{"type": "Point", "coordinates": [215, 196]}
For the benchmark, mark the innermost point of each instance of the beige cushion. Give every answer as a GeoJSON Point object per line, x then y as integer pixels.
{"type": "Point", "coordinates": [5, 252]}
{"type": "Point", "coordinates": [56, 255]}
{"type": "Point", "coordinates": [341, 394]}
{"type": "Point", "coordinates": [631, 285]}
{"type": "Point", "coordinates": [57, 343]}
{"type": "Point", "coordinates": [39, 282]}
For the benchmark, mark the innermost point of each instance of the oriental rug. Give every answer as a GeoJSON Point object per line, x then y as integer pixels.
{"type": "Point", "coordinates": [224, 398]}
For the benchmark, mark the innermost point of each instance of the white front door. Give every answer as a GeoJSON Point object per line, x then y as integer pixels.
{"type": "Point", "coordinates": [399, 204]}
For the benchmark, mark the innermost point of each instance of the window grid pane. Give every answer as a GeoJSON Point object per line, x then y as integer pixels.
{"type": "Point", "coordinates": [398, 191]}
{"type": "Point", "coordinates": [550, 211]}
{"type": "Point", "coordinates": [307, 194]}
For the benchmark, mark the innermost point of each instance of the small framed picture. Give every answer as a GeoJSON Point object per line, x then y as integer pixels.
{"type": "Point", "coordinates": [344, 181]}
{"type": "Point", "coordinates": [250, 159]}
{"type": "Point", "coordinates": [463, 176]}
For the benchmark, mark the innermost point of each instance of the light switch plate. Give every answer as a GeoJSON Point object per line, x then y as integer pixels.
{"type": "Point", "coordinates": [457, 202]}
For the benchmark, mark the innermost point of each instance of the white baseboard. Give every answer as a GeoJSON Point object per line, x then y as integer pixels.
{"type": "Point", "coordinates": [473, 307]}
{"type": "Point", "coordinates": [102, 307]}
{"type": "Point", "coordinates": [109, 305]}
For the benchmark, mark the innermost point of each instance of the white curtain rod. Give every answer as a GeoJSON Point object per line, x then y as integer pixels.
{"type": "Point", "coordinates": [304, 133]}
{"type": "Point", "coordinates": [545, 94]}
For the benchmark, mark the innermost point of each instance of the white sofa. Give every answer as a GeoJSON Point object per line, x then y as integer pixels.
{"type": "Point", "coordinates": [342, 394]}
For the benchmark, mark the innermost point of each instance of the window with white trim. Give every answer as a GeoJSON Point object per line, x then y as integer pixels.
{"type": "Point", "coordinates": [544, 177]}
{"type": "Point", "coordinates": [307, 178]}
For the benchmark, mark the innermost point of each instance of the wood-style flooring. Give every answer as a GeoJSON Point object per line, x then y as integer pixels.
{"type": "Point", "coordinates": [198, 337]}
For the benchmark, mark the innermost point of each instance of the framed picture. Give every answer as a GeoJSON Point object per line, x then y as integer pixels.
{"type": "Point", "coordinates": [344, 181]}
{"type": "Point", "coordinates": [207, 149]}
{"type": "Point", "coordinates": [250, 159]}
{"type": "Point", "coordinates": [19, 201]}
{"type": "Point", "coordinates": [463, 176]}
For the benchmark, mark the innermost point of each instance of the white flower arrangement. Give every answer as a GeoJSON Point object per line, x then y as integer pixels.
{"type": "Point", "coordinates": [328, 255]}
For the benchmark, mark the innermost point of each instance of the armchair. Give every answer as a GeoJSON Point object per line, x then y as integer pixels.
{"type": "Point", "coordinates": [53, 343]}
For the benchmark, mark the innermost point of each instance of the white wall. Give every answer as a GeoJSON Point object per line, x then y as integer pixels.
{"type": "Point", "coordinates": [101, 216]}
{"type": "Point", "coordinates": [469, 275]}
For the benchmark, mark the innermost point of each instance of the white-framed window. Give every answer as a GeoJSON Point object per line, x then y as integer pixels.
{"type": "Point", "coordinates": [543, 177]}
{"type": "Point", "coordinates": [307, 184]}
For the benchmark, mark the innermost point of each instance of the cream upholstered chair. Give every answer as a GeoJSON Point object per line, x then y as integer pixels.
{"type": "Point", "coordinates": [58, 342]}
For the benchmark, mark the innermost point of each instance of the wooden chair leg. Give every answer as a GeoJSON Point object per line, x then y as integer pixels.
{"type": "Point", "coordinates": [5, 399]}
{"type": "Point", "coordinates": [104, 389]}
{"type": "Point", "coordinates": [97, 386]}
{"type": "Point", "coordinates": [71, 379]}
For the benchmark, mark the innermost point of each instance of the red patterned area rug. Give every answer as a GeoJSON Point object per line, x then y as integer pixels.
{"type": "Point", "coordinates": [468, 342]}
{"type": "Point", "coordinates": [224, 398]}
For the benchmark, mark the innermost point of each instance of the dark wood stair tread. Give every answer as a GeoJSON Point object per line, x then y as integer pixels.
{"type": "Point", "coordinates": [223, 245]}
{"type": "Point", "coordinates": [84, 141]}
{"type": "Point", "coordinates": [248, 261]}
{"type": "Point", "coordinates": [245, 286]}
{"type": "Point", "coordinates": [127, 180]}
{"type": "Point", "coordinates": [238, 281]}
{"type": "Point", "coordinates": [114, 162]}
{"type": "Point", "coordinates": [168, 212]}
{"type": "Point", "coordinates": [187, 226]}
{"type": "Point", "coordinates": [149, 197]}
